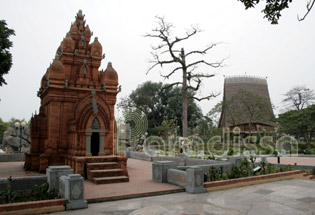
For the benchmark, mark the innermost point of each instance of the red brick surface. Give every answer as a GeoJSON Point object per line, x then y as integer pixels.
{"type": "Point", "coordinates": [31, 205]}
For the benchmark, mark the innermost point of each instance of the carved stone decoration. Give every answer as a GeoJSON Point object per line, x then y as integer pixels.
{"type": "Point", "coordinates": [94, 104]}
{"type": "Point", "coordinates": [84, 70]}
{"type": "Point", "coordinates": [95, 124]}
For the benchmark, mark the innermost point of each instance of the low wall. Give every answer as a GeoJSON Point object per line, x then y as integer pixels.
{"type": "Point", "coordinates": [239, 182]}
{"type": "Point", "coordinates": [295, 166]}
{"type": "Point", "coordinates": [139, 156]}
{"type": "Point", "coordinates": [22, 184]}
{"type": "Point", "coordinates": [12, 157]}
{"type": "Point", "coordinates": [177, 177]}
{"type": "Point", "coordinates": [190, 161]}
{"type": "Point", "coordinates": [36, 207]}
{"type": "Point", "coordinates": [226, 167]}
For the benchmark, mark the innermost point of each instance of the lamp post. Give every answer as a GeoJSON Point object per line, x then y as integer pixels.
{"type": "Point", "coordinates": [20, 126]}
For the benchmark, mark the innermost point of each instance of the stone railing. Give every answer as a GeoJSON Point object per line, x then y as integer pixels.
{"type": "Point", "coordinates": [192, 179]}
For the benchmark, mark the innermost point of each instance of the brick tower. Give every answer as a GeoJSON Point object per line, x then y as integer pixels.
{"type": "Point", "coordinates": [76, 116]}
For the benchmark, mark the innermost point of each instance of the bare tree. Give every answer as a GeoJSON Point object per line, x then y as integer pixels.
{"type": "Point", "coordinates": [309, 7]}
{"type": "Point", "coordinates": [299, 97]}
{"type": "Point", "coordinates": [191, 80]}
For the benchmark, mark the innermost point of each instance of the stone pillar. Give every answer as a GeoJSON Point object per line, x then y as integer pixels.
{"type": "Point", "coordinates": [160, 168]}
{"type": "Point", "coordinates": [128, 152]}
{"type": "Point", "coordinates": [194, 181]}
{"type": "Point", "coordinates": [101, 145]}
{"type": "Point", "coordinates": [88, 144]}
{"type": "Point", "coordinates": [54, 172]}
{"type": "Point", "coordinates": [71, 187]}
{"type": "Point", "coordinates": [183, 160]}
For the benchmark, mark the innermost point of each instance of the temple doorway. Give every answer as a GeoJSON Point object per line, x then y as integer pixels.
{"type": "Point", "coordinates": [95, 143]}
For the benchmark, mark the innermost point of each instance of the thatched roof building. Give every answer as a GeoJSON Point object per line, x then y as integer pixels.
{"type": "Point", "coordinates": [246, 104]}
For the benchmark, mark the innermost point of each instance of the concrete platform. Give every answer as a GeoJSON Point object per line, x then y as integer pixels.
{"type": "Point", "coordinates": [289, 197]}
{"type": "Point", "coordinates": [140, 184]}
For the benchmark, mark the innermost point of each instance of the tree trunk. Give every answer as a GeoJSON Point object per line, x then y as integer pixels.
{"type": "Point", "coordinates": [184, 95]}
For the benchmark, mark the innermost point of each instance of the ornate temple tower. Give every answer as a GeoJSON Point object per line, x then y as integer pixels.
{"type": "Point", "coordinates": [76, 117]}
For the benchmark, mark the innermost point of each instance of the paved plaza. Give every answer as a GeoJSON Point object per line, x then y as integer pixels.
{"type": "Point", "coordinates": [281, 197]}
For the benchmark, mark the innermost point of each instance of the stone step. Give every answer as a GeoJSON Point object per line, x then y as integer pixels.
{"type": "Point", "coordinates": [100, 159]}
{"type": "Point", "coordinates": [104, 173]}
{"type": "Point", "coordinates": [109, 180]}
{"type": "Point", "coordinates": [102, 165]}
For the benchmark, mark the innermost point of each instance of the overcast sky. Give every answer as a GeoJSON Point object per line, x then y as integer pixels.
{"type": "Point", "coordinates": [283, 53]}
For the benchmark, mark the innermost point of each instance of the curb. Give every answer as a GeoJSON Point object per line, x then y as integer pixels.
{"type": "Point", "coordinates": [130, 196]}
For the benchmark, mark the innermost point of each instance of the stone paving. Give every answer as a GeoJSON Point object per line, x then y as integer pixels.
{"type": "Point", "coordinates": [282, 197]}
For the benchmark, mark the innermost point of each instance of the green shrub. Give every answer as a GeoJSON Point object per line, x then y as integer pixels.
{"type": "Point", "coordinates": [39, 192]}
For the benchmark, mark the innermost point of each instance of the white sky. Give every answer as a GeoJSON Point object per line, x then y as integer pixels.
{"type": "Point", "coordinates": [284, 53]}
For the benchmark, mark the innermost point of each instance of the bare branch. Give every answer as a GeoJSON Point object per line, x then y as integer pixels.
{"type": "Point", "coordinates": [171, 73]}
{"type": "Point", "coordinates": [171, 85]}
{"type": "Point", "coordinates": [191, 70]}
{"type": "Point", "coordinates": [198, 80]}
{"type": "Point", "coordinates": [157, 61]}
{"type": "Point", "coordinates": [309, 7]}
{"type": "Point", "coordinates": [202, 76]}
{"type": "Point", "coordinates": [188, 35]}
{"type": "Point", "coordinates": [214, 65]}
{"type": "Point", "coordinates": [203, 51]}
{"type": "Point", "coordinates": [158, 47]}
{"type": "Point", "coordinates": [166, 51]}
{"type": "Point", "coordinates": [203, 98]}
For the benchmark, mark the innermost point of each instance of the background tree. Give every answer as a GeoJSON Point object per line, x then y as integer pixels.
{"type": "Point", "coordinates": [206, 128]}
{"type": "Point", "coordinates": [3, 127]}
{"type": "Point", "coordinates": [299, 123]}
{"type": "Point", "coordinates": [162, 106]}
{"type": "Point", "coordinates": [247, 108]}
{"type": "Point", "coordinates": [299, 97]}
{"type": "Point", "coordinates": [215, 112]}
{"type": "Point", "coordinates": [191, 80]}
{"type": "Point", "coordinates": [274, 8]}
{"type": "Point", "coordinates": [5, 55]}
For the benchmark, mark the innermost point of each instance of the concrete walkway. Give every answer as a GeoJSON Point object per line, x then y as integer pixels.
{"type": "Point", "coordinates": [290, 197]}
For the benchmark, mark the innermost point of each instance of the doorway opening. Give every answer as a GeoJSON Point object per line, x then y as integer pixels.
{"type": "Point", "coordinates": [95, 143]}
